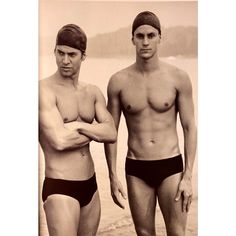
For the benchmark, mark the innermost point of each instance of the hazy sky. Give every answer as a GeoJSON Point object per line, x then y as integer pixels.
{"type": "Point", "coordinates": [105, 16]}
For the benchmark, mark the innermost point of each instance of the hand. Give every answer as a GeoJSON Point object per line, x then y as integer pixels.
{"type": "Point", "coordinates": [73, 126]}
{"type": "Point", "coordinates": [116, 191]}
{"type": "Point", "coordinates": [185, 190]}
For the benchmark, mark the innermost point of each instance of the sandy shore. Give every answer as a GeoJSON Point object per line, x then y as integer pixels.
{"type": "Point", "coordinates": [128, 228]}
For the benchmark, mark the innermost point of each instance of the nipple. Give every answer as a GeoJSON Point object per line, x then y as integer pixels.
{"type": "Point", "coordinates": [166, 104]}
{"type": "Point", "coordinates": [128, 107]}
{"type": "Point", "coordinates": [65, 120]}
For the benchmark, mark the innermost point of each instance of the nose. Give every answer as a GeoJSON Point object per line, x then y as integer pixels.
{"type": "Point", "coordinates": [65, 59]}
{"type": "Point", "coordinates": [145, 41]}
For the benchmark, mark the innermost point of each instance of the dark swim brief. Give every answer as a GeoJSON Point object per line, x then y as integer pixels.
{"type": "Point", "coordinates": [155, 171]}
{"type": "Point", "coordinates": [81, 190]}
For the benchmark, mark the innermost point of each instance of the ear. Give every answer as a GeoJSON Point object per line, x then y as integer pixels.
{"type": "Point", "coordinates": [159, 39]}
{"type": "Point", "coordinates": [83, 57]}
{"type": "Point", "coordinates": [133, 40]}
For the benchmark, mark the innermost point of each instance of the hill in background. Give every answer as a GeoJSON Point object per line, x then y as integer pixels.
{"type": "Point", "coordinates": [176, 41]}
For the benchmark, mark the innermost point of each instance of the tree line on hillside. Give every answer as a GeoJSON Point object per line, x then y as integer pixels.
{"type": "Point", "coordinates": [176, 41]}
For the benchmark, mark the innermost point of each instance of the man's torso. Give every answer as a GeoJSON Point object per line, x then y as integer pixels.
{"type": "Point", "coordinates": [149, 104]}
{"type": "Point", "coordinates": [73, 104]}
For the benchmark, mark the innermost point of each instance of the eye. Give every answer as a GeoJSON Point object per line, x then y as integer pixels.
{"type": "Point", "coordinates": [72, 54]}
{"type": "Point", "coordinates": [60, 53]}
{"type": "Point", "coordinates": [139, 36]}
{"type": "Point", "coordinates": [151, 36]}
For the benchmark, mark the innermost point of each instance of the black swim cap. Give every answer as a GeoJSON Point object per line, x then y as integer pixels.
{"type": "Point", "coordinates": [73, 36]}
{"type": "Point", "coordinates": [146, 18]}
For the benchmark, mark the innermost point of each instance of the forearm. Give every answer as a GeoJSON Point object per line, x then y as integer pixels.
{"type": "Point", "coordinates": [73, 141]}
{"type": "Point", "coordinates": [111, 157]}
{"type": "Point", "coordinates": [63, 139]}
{"type": "Point", "coordinates": [190, 143]}
{"type": "Point", "coordinates": [99, 132]}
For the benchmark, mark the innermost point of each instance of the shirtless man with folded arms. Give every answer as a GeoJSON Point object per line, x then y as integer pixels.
{"type": "Point", "coordinates": [151, 93]}
{"type": "Point", "coordinates": [71, 115]}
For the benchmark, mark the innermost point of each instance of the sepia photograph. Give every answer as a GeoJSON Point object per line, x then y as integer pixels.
{"type": "Point", "coordinates": [102, 103]}
{"type": "Point", "coordinates": [118, 118]}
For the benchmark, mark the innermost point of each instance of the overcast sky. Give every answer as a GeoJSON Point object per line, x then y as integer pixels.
{"type": "Point", "coordinates": [105, 16]}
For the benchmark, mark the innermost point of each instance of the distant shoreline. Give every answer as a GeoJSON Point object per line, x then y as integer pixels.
{"type": "Point", "coordinates": [130, 57]}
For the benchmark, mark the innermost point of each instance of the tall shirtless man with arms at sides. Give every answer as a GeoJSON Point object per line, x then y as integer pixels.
{"type": "Point", "coordinates": [150, 93]}
{"type": "Point", "coordinates": [71, 115]}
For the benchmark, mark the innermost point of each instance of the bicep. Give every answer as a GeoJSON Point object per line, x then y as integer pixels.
{"type": "Point", "coordinates": [101, 112]}
{"type": "Point", "coordinates": [113, 104]}
{"type": "Point", "coordinates": [50, 120]}
{"type": "Point", "coordinates": [185, 102]}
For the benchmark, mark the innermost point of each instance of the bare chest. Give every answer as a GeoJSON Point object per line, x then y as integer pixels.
{"type": "Point", "coordinates": [159, 96]}
{"type": "Point", "coordinates": [75, 105]}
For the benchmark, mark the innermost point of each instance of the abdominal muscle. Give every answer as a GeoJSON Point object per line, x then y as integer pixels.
{"type": "Point", "coordinates": [152, 140]}
{"type": "Point", "coordinates": [76, 164]}
{"type": "Point", "coordinates": [146, 148]}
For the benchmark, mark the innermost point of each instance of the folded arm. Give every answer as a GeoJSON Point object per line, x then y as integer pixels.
{"type": "Point", "coordinates": [52, 126]}
{"type": "Point", "coordinates": [103, 130]}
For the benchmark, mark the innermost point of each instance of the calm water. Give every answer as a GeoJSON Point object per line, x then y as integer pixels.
{"type": "Point", "coordinates": [98, 71]}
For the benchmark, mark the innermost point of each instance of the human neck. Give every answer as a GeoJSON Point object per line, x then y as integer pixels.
{"type": "Point", "coordinates": [147, 65]}
{"type": "Point", "coordinates": [68, 81]}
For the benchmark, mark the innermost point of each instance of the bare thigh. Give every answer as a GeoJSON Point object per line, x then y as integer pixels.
{"type": "Point", "coordinates": [174, 218]}
{"type": "Point", "coordinates": [90, 217]}
{"type": "Point", "coordinates": [142, 201]}
{"type": "Point", "coordinates": [62, 214]}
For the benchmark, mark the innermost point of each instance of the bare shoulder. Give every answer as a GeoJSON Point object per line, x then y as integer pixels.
{"type": "Point", "coordinates": [46, 92]}
{"type": "Point", "coordinates": [119, 79]}
{"type": "Point", "coordinates": [180, 77]}
{"type": "Point", "coordinates": [46, 84]}
{"type": "Point", "coordinates": [91, 89]}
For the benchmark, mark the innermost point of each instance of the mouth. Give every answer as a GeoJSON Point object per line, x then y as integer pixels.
{"type": "Point", "coordinates": [65, 68]}
{"type": "Point", "coordinates": [145, 50]}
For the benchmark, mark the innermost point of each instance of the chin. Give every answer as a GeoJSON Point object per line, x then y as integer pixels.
{"type": "Point", "coordinates": [146, 57]}
{"type": "Point", "coordinates": [66, 74]}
